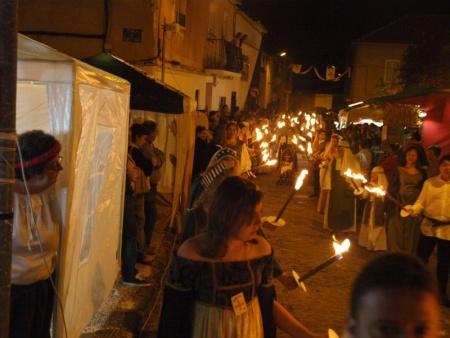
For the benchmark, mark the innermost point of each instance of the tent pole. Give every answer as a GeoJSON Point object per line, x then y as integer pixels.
{"type": "Point", "coordinates": [163, 54]}
{"type": "Point", "coordinates": [8, 81]}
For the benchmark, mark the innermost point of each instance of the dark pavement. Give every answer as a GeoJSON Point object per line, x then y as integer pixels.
{"type": "Point", "coordinates": [301, 245]}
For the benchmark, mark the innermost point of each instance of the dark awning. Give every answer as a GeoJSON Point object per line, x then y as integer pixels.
{"type": "Point", "coordinates": [147, 93]}
{"type": "Point", "coordinates": [406, 94]}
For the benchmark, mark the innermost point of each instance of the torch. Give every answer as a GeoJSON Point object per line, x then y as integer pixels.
{"type": "Point", "coordinates": [338, 249]}
{"type": "Point", "coordinates": [353, 177]}
{"type": "Point", "coordinates": [268, 163]}
{"type": "Point", "coordinates": [277, 221]}
{"type": "Point", "coordinates": [381, 192]}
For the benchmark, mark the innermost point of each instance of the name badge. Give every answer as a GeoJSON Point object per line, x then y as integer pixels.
{"type": "Point", "coordinates": [239, 304]}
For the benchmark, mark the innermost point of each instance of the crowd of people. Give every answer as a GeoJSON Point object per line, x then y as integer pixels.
{"type": "Point", "coordinates": [220, 282]}
{"type": "Point", "coordinates": [398, 173]}
{"type": "Point", "coordinates": [391, 208]}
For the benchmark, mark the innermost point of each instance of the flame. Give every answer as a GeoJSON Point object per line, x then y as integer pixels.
{"type": "Point", "coordinates": [294, 140]}
{"type": "Point", "coordinates": [274, 138]}
{"type": "Point", "coordinates": [375, 190]}
{"type": "Point", "coordinates": [259, 134]}
{"type": "Point", "coordinates": [300, 179]}
{"type": "Point", "coordinates": [343, 247]}
{"type": "Point", "coordinates": [301, 147]}
{"type": "Point", "coordinates": [271, 162]}
{"type": "Point", "coordinates": [360, 177]}
{"type": "Point", "coordinates": [309, 148]}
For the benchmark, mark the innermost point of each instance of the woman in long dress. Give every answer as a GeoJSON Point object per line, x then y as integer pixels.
{"type": "Point", "coordinates": [372, 234]}
{"type": "Point", "coordinates": [340, 203]}
{"type": "Point", "coordinates": [407, 181]}
{"type": "Point", "coordinates": [220, 283]}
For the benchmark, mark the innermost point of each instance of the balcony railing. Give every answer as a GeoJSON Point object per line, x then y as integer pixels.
{"type": "Point", "coordinates": [223, 55]}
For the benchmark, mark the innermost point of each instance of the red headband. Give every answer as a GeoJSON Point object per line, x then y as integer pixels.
{"type": "Point", "coordinates": [52, 152]}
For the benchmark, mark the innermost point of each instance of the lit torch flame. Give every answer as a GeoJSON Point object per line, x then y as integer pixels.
{"type": "Point", "coordinates": [259, 134]}
{"type": "Point", "coordinates": [360, 177]}
{"type": "Point", "coordinates": [375, 190]}
{"type": "Point", "coordinates": [341, 248]}
{"type": "Point", "coordinates": [300, 179]}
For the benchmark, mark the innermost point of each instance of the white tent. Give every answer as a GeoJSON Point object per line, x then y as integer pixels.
{"type": "Point", "coordinates": [174, 112]}
{"type": "Point", "coordinates": [87, 110]}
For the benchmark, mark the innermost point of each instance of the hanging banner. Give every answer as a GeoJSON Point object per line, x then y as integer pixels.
{"type": "Point", "coordinates": [399, 115]}
{"type": "Point", "coordinates": [330, 73]}
{"type": "Point", "coordinates": [296, 69]}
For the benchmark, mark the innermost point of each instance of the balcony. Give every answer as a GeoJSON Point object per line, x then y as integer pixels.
{"type": "Point", "coordinates": [223, 58]}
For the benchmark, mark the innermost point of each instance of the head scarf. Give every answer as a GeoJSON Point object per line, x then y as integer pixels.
{"type": "Point", "coordinates": [382, 180]}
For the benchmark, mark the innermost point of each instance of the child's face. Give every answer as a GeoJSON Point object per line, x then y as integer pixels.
{"type": "Point", "coordinates": [374, 178]}
{"type": "Point", "coordinates": [396, 313]}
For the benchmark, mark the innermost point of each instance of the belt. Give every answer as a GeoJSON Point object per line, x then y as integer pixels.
{"type": "Point", "coordinates": [436, 222]}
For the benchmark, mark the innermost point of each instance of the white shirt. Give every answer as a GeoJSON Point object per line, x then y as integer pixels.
{"type": "Point", "coordinates": [39, 213]}
{"type": "Point", "coordinates": [434, 201]}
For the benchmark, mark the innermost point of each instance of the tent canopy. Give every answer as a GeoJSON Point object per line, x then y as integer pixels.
{"type": "Point", "coordinates": [147, 93]}
{"type": "Point", "coordinates": [406, 94]}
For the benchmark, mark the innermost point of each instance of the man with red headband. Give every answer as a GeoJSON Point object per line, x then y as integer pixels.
{"type": "Point", "coordinates": [35, 239]}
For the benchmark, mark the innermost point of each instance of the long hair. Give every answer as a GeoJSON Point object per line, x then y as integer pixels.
{"type": "Point", "coordinates": [422, 160]}
{"type": "Point", "coordinates": [231, 207]}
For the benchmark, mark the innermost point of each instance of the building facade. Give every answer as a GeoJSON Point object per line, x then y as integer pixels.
{"type": "Point", "coordinates": [188, 44]}
{"type": "Point", "coordinates": [376, 58]}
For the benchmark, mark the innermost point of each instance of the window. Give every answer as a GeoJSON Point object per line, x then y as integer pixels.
{"type": "Point", "coordinates": [212, 20]}
{"type": "Point", "coordinates": [391, 71]}
{"type": "Point", "coordinates": [180, 12]}
{"type": "Point", "coordinates": [225, 25]}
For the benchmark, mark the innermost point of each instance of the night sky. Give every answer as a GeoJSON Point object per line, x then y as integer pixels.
{"type": "Point", "coordinates": [319, 32]}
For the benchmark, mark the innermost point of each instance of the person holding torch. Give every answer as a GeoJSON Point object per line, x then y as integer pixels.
{"type": "Point", "coordinates": [434, 203]}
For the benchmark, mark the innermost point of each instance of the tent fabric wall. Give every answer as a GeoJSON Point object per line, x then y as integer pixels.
{"type": "Point", "coordinates": [435, 126]}
{"type": "Point", "coordinates": [87, 110]}
{"type": "Point", "coordinates": [175, 114]}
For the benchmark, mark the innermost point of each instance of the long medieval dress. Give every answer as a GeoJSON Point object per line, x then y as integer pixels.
{"type": "Point", "coordinates": [197, 299]}
{"type": "Point", "coordinates": [403, 232]}
{"type": "Point", "coordinates": [340, 205]}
